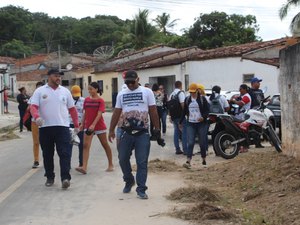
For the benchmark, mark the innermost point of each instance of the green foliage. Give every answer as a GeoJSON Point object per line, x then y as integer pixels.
{"type": "Point", "coordinates": [23, 31]}
{"type": "Point", "coordinates": [218, 29]}
{"type": "Point", "coordinates": [283, 12]}
{"type": "Point", "coordinates": [15, 49]}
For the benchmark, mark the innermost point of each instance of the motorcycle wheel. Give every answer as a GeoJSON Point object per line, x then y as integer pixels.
{"type": "Point", "coordinates": [274, 139]}
{"type": "Point", "coordinates": [223, 146]}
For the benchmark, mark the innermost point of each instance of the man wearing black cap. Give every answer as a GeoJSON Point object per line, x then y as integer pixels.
{"type": "Point", "coordinates": [135, 103]}
{"type": "Point", "coordinates": [256, 96]}
{"type": "Point", "coordinates": [50, 107]}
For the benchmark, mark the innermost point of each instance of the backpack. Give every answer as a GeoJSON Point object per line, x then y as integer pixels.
{"type": "Point", "coordinates": [174, 106]}
{"type": "Point", "coordinates": [215, 105]}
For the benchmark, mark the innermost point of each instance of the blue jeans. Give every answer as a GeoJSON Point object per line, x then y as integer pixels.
{"type": "Point", "coordinates": [183, 135]}
{"type": "Point", "coordinates": [141, 144]}
{"type": "Point", "coordinates": [80, 146]}
{"type": "Point", "coordinates": [21, 113]}
{"type": "Point", "coordinates": [56, 137]}
{"type": "Point", "coordinates": [164, 120]}
{"type": "Point", "coordinates": [201, 130]}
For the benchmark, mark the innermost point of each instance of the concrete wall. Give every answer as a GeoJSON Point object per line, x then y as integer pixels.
{"type": "Point", "coordinates": [228, 73]}
{"type": "Point", "coordinates": [290, 101]}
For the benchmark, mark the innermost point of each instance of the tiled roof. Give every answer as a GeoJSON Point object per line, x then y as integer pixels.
{"type": "Point", "coordinates": [35, 59]}
{"type": "Point", "coordinates": [7, 60]}
{"type": "Point", "coordinates": [273, 61]}
{"type": "Point", "coordinates": [34, 75]}
{"type": "Point", "coordinates": [236, 50]}
{"type": "Point", "coordinates": [145, 61]}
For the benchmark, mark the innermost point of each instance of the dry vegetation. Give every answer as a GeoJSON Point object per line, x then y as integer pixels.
{"type": "Point", "coordinates": [258, 187]}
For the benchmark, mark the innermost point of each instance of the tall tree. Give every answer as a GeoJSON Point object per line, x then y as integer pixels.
{"type": "Point", "coordinates": [218, 29]}
{"type": "Point", "coordinates": [142, 29]}
{"type": "Point", "coordinates": [295, 23]}
{"type": "Point", "coordinates": [163, 23]}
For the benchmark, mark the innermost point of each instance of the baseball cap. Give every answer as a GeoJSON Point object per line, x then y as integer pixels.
{"type": "Point", "coordinates": [193, 88]}
{"type": "Point", "coordinates": [130, 75]}
{"type": "Point", "coordinates": [255, 79]}
{"type": "Point", "coordinates": [55, 71]}
{"type": "Point", "coordinates": [76, 91]}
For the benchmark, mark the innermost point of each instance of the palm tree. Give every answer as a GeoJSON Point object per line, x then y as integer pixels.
{"type": "Point", "coordinates": [142, 29]}
{"type": "Point", "coordinates": [295, 23]}
{"type": "Point", "coordinates": [163, 23]}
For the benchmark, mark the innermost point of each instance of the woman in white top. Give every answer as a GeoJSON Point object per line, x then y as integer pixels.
{"type": "Point", "coordinates": [216, 90]}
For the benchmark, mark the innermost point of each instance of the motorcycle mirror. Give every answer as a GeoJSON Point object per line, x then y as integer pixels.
{"type": "Point", "coordinates": [264, 90]}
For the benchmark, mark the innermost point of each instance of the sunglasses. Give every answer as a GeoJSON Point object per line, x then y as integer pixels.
{"type": "Point", "coordinates": [127, 82]}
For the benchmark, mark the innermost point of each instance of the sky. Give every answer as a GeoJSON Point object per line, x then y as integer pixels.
{"type": "Point", "coordinates": [266, 11]}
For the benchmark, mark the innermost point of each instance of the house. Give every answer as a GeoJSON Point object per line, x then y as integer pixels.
{"type": "Point", "coordinates": [27, 72]}
{"type": "Point", "coordinates": [109, 74]}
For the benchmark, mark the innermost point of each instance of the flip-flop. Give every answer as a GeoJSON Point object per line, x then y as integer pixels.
{"type": "Point", "coordinates": [80, 170]}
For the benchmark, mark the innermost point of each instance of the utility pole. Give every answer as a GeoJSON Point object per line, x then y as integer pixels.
{"type": "Point", "coordinates": [59, 64]}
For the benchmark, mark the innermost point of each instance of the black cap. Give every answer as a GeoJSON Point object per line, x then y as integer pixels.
{"type": "Point", "coordinates": [55, 71]}
{"type": "Point", "coordinates": [130, 75]}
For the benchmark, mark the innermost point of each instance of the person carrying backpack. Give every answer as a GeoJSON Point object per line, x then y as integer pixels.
{"type": "Point", "coordinates": [196, 109]}
{"type": "Point", "coordinates": [175, 107]}
{"type": "Point", "coordinates": [217, 102]}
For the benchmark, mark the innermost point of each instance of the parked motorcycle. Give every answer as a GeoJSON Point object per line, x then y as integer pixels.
{"type": "Point", "coordinates": [230, 133]}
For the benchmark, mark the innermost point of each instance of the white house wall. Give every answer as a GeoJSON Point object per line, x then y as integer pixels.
{"type": "Point", "coordinates": [228, 73]}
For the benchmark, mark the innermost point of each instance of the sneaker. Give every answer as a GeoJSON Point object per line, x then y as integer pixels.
{"type": "Point", "coordinates": [65, 184]}
{"type": "Point", "coordinates": [49, 182]}
{"type": "Point", "coordinates": [187, 165]}
{"type": "Point", "coordinates": [142, 195]}
{"type": "Point", "coordinates": [128, 187]}
{"type": "Point", "coordinates": [35, 164]}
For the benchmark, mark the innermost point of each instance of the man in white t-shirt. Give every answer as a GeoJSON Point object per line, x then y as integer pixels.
{"type": "Point", "coordinates": [50, 107]}
{"type": "Point", "coordinates": [134, 103]}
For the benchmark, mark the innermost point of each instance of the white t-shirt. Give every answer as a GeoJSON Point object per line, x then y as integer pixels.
{"type": "Point", "coordinates": [222, 99]}
{"type": "Point", "coordinates": [79, 106]}
{"type": "Point", "coordinates": [194, 111]}
{"type": "Point", "coordinates": [53, 105]}
{"type": "Point", "coordinates": [181, 95]}
{"type": "Point", "coordinates": [135, 107]}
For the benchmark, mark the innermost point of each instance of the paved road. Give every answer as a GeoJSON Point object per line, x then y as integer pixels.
{"type": "Point", "coordinates": [95, 198]}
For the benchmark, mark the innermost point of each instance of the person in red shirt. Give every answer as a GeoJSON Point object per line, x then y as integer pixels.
{"type": "Point", "coordinates": [93, 123]}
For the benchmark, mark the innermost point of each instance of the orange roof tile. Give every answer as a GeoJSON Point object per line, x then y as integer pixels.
{"type": "Point", "coordinates": [7, 60]}
{"type": "Point", "coordinates": [36, 59]}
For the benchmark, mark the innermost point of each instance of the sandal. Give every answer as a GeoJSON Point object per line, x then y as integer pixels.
{"type": "Point", "coordinates": [80, 170]}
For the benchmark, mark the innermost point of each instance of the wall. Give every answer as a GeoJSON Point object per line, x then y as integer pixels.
{"type": "Point", "coordinates": [228, 73]}
{"type": "Point", "coordinates": [290, 101]}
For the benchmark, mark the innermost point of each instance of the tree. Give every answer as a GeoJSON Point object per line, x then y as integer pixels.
{"type": "Point", "coordinates": [142, 29]}
{"type": "Point", "coordinates": [218, 29]}
{"type": "Point", "coordinates": [15, 49]}
{"type": "Point", "coordinates": [295, 23]}
{"type": "Point", "coordinates": [163, 23]}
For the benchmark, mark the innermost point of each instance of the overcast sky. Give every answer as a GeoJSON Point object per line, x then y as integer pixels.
{"type": "Point", "coordinates": [266, 11]}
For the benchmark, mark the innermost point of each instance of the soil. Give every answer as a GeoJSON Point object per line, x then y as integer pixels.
{"type": "Point", "coordinates": [257, 187]}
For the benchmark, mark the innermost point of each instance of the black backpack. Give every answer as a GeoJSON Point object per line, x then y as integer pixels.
{"type": "Point", "coordinates": [174, 106]}
{"type": "Point", "coordinates": [215, 105]}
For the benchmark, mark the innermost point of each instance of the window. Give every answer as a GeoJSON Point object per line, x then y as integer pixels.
{"type": "Point", "coordinates": [89, 79]}
{"type": "Point", "coordinates": [100, 83]}
{"type": "Point", "coordinates": [247, 77]}
{"type": "Point", "coordinates": [65, 82]}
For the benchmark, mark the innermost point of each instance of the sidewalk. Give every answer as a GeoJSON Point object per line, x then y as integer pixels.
{"type": "Point", "coordinates": [8, 121]}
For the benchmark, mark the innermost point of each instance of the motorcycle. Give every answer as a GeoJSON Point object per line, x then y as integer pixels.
{"type": "Point", "coordinates": [230, 133]}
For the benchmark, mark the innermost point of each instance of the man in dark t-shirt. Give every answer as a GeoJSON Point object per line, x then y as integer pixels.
{"type": "Point", "coordinates": [256, 94]}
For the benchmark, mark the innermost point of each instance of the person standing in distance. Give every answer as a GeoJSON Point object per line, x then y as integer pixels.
{"type": "Point", "coordinates": [50, 107]}
{"type": "Point", "coordinates": [135, 103]}
{"type": "Point", "coordinates": [22, 99]}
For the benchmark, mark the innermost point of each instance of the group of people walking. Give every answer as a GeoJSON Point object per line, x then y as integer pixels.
{"type": "Point", "coordinates": [140, 115]}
